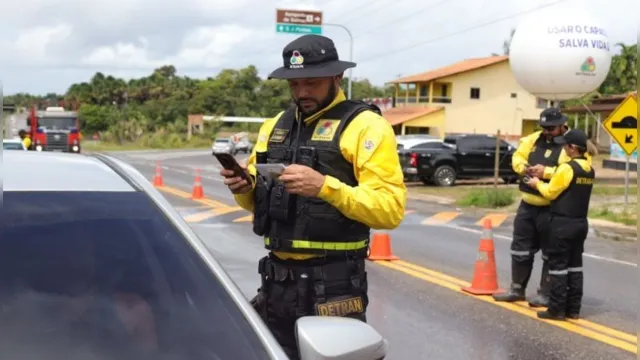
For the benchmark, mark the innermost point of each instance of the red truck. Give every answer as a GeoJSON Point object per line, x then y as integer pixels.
{"type": "Point", "coordinates": [54, 129]}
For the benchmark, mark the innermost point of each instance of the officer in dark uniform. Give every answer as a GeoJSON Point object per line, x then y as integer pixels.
{"type": "Point", "coordinates": [536, 156]}
{"type": "Point", "coordinates": [342, 178]}
{"type": "Point", "coordinates": [569, 191]}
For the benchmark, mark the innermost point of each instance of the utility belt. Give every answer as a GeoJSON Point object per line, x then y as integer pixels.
{"type": "Point", "coordinates": [311, 278]}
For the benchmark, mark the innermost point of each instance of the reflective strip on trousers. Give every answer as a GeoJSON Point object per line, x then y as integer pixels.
{"type": "Point", "coordinates": [324, 245]}
{"type": "Point", "coordinates": [520, 253]}
{"type": "Point", "coordinates": [558, 272]}
{"type": "Point", "coordinates": [575, 269]}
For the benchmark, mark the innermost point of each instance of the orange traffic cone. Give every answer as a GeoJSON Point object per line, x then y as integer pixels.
{"type": "Point", "coordinates": [381, 247]}
{"type": "Point", "coordinates": [485, 278]}
{"type": "Point", "coordinates": [157, 179]}
{"type": "Point", "coordinates": [198, 192]}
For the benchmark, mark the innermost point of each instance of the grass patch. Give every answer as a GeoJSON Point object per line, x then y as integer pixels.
{"type": "Point", "coordinates": [620, 216]}
{"type": "Point", "coordinates": [128, 146]}
{"type": "Point", "coordinates": [488, 198]}
{"type": "Point", "coordinates": [613, 190]}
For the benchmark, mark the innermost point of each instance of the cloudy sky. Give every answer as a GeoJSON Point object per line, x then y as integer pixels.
{"type": "Point", "coordinates": [46, 45]}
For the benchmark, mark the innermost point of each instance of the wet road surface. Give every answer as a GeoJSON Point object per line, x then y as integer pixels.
{"type": "Point", "coordinates": [416, 303]}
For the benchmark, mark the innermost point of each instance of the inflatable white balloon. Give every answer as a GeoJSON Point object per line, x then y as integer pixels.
{"type": "Point", "coordinates": [560, 53]}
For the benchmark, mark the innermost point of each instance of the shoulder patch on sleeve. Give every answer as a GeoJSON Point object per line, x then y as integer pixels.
{"type": "Point", "coordinates": [369, 144]}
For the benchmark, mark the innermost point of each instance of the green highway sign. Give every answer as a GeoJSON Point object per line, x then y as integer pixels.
{"type": "Point", "coordinates": [298, 22]}
{"type": "Point", "coordinates": [298, 29]}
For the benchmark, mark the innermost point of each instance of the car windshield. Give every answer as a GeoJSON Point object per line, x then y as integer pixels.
{"type": "Point", "coordinates": [12, 146]}
{"type": "Point", "coordinates": [56, 122]}
{"type": "Point", "coordinates": [222, 141]}
{"type": "Point", "coordinates": [97, 275]}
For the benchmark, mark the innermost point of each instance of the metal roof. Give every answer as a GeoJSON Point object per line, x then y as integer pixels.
{"type": "Point", "coordinates": [50, 171]}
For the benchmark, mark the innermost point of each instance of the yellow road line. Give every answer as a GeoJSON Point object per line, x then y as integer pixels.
{"type": "Point", "coordinates": [462, 283]}
{"type": "Point", "coordinates": [247, 218]}
{"type": "Point", "coordinates": [440, 278]}
{"type": "Point", "coordinates": [186, 195]}
{"type": "Point", "coordinates": [441, 218]}
{"type": "Point", "coordinates": [451, 279]}
{"type": "Point", "coordinates": [578, 327]}
{"type": "Point", "coordinates": [198, 217]}
{"type": "Point", "coordinates": [496, 219]}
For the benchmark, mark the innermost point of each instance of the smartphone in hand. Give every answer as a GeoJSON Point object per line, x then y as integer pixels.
{"type": "Point", "coordinates": [230, 163]}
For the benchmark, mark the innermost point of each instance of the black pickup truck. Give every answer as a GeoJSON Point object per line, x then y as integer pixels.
{"type": "Point", "coordinates": [456, 158]}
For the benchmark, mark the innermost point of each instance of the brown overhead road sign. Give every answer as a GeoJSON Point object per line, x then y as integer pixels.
{"type": "Point", "coordinates": [299, 17]}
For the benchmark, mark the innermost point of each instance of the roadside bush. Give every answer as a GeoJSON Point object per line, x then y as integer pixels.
{"type": "Point", "coordinates": [488, 198]}
{"type": "Point", "coordinates": [628, 217]}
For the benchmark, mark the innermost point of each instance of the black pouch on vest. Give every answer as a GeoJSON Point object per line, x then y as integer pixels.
{"type": "Point", "coordinates": [308, 156]}
{"type": "Point", "coordinates": [261, 219]}
{"type": "Point", "coordinates": [261, 212]}
{"type": "Point", "coordinates": [281, 203]}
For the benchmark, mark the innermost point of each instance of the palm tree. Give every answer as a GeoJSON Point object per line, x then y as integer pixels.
{"type": "Point", "coordinates": [507, 43]}
{"type": "Point", "coordinates": [623, 73]}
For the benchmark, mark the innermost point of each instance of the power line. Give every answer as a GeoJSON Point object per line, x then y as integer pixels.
{"type": "Point", "coordinates": [368, 9]}
{"type": "Point", "coordinates": [406, 48]}
{"type": "Point", "coordinates": [396, 20]}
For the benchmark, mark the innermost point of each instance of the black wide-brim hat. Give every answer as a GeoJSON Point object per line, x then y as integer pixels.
{"type": "Point", "coordinates": [310, 56]}
{"type": "Point", "coordinates": [552, 117]}
{"type": "Point", "coordinates": [572, 137]}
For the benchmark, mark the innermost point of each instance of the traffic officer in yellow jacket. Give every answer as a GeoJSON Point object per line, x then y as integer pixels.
{"type": "Point", "coordinates": [569, 191]}
{"type": "Point", "coordinates": [26, 140]}
{"type": "Point", "coordinates": [342, 178]}
{"type": "Point", "coordinates": [537, 156]}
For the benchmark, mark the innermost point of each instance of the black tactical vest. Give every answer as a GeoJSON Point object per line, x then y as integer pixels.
{"type": "Point", "coordinates": [543, 153]}
{"type": "Point", "coordinates": [299, 224]}
{"type": "Point", "coordinates": [574, 201]}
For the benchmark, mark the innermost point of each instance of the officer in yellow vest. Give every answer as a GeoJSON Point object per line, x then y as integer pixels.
{"type": "Point", "coordinates": [537, 156]}
{"type": "Point", "coordinates": [569, 191]}
{"type": "Point", "coordinates": [342, 178]}
{"type": "Point", "coordinates": [26, 140]}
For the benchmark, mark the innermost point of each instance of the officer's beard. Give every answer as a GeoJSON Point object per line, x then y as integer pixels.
{"type": "Point", "coordinates": [333, 91]}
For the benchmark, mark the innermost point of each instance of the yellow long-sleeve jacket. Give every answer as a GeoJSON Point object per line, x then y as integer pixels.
{"type": "Point", "coordinates": [380, 198]}
{"type": "Point", "coordinates": [560, 180]}
{"type": "Point", "coordinates": [519, 163]}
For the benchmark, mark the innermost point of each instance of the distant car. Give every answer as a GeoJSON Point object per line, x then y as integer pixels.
{"type": "Point", "coordinates": [96, 264]}
{"type": "Point", "coordinates": [12, 144]}
{"type": "Point", "coordinates": [244, 145]}
{"type": "Point", "coordinates": [224, 145]}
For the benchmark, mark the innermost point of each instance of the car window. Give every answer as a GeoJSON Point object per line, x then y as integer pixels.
{"type": "Point", "coordinates": [79, 270]}
{"type": "Point", "coordinates": [12, 146]}
{"type": "Point", "coordinates": [487, 143]}
{"type": "Point", "coordinates": [222, 141]}
{"type": "Point", "coordinates": [451, 141]}
{"type": "Point", "coordinates": [428, 145]}
{"type": "Point", "coordinates": [504, 146]}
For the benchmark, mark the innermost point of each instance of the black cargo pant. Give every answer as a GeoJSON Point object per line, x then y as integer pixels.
{"type": "Point", "coordinates": [530, 234]}
{"type": "Point", "coordinates": [296, 288]}
{"type": "Point", "coordinates": [566, 246]}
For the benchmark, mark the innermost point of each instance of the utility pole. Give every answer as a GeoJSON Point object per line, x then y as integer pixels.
{"type": "Point", "coordinates": [350, 56]}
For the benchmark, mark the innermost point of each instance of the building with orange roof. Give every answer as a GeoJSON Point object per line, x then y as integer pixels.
{"type": "Point", "coordinates": [478, 95]}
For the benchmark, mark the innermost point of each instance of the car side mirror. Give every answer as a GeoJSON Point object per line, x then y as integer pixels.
{"type": "Point", "coordinates": [338, 338]}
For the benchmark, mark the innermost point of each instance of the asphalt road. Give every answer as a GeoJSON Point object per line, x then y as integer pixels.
{"type": "Point", "coordinates": [416, 301]}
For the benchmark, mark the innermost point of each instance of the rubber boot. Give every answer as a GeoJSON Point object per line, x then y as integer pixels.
{"type": "Point", "coordinates": [515, 293]}
{"type": "Point", "coordinates": [542, 297]}
{"type": "Point", "coordinates": [551, 316]}
{"type": "Point", "coordinates": [520, 273]}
